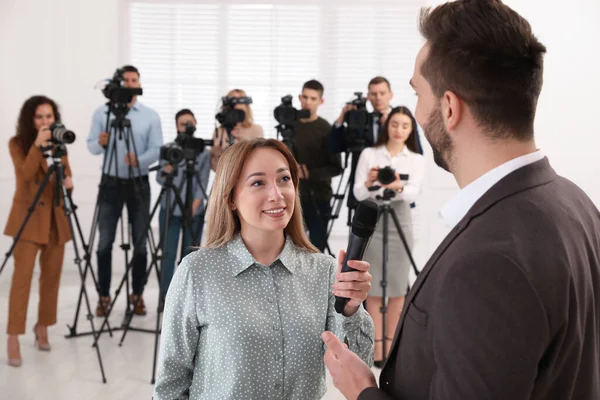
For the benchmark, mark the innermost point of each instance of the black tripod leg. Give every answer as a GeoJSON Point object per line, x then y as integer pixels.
{"type": "Point", "coordinates": [124, 279]}
{"type": "Point", "coordinates": [69, 213]}
{"type": "Point", "coordinates": [383, 283]}
{"type": "Point", "coordinates": [404, 242]}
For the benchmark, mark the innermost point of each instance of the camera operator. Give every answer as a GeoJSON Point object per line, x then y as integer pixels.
{"type": "Point", "coordinates": [317, 164]}
{"type": "Point", "coordinates": [47, 230]}
{"type": "Point", "coordinates": [246, 129]}
{"type": "Point", "coordinates": [186, 126]}
{"type": "Point", "coordinates": [396, 148]}
{"type": "Point", "coordinates": [379, 95]}
{"type": "Point", "coordinates": [119, 188]}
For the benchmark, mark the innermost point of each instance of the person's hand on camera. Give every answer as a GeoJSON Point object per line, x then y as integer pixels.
{"type": "Point", "coordinates": [346, 108]}
{"type": "Point", "coordinates": [131, 160]}
{"type": "Point", "coordinates": [397, 185]}
{"type": "Point", "coordinates": [103, 139]}
{"type": "Point", "coordinates": [167, 169]}
{"type": "Point", "coordinates": [372, 177]}
{"type": "Point", "coordinates": [68, 183]}
{"type": "Point", "coordinates": [43, 137]}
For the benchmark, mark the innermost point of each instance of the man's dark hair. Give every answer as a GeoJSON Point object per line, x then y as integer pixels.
{"type": "Point", "coordinates": [131, 68]}
{"type": "Point", "coordinates": [485, 53]}
{"type": "Point", "coordinates": [379, 79]}
{"type": "Point", "coordinates": [182, 112]}
{"type": "Point", "coordinates": [314, 85]}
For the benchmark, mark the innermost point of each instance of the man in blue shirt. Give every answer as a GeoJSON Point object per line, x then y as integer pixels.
{"type": "Point", "coordinates": [125, 181]}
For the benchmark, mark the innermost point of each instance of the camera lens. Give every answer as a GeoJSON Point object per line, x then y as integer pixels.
{"type": "Point", "coordinates": [386, 175]}
{"type": "Point", "coordinates": [61, 134]}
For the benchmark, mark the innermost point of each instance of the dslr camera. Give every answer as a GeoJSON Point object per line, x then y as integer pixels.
{"type": "Point", "coordinates": [357, 124]}
{"type": "Point", "coordinates": [186, 147]}
{"type": "Point", "coordinates": [387, 175]}
{"type": "Point", "coordinates": [60, 134]}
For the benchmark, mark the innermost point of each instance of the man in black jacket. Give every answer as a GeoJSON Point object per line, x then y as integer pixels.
{"type": "Point", "coordinates": [508, 305]}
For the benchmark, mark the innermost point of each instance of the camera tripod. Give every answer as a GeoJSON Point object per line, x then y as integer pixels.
{"type": "Point", "coordinates": [168, 189]}
{"type": "Point", "coordinates": [120, 129]}
{"type": "Point", "coordinates": [386, 211]}
{"type": "Point", "coordinates": [57, 170]}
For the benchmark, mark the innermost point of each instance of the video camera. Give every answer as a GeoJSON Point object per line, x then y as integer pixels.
{"type": "Point", "coordinates": [116, 92]}
{"type": "Point", "coordinates": [286, 115]}
{"type": "Point", "coordinates": [357, 122]}
{"type": "Point", "coordinates": [186, 146]}
{"type": "Point", "coordinates": [229, 116]}
{"type": "Point", "coordinates": [60, 134]}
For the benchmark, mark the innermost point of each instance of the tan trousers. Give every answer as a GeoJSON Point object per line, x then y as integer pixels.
{"type": "Point", "coordinates": [51, 260]}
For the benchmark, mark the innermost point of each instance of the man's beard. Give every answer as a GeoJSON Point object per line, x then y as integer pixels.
{"type": "Point", "coordinates": [439, 139]}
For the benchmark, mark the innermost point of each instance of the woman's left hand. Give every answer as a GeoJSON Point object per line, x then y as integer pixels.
{"type": "Point", "coordinates": [354, 285]}
{"type": "Point", "coordinates": [397, 185]}
{"type": "Point", "coordinates": [68, 183]}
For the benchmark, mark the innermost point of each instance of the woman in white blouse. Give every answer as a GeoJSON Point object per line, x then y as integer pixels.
{"type": "Point", "coordinates": [396, 147]}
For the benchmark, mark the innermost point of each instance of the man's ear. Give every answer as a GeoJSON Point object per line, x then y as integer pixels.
{"type": "Point", "coordinates": [452, 109]}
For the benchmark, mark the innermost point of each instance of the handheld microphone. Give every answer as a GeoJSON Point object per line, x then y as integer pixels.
{"type": "Point", "coordinates": [363, 226]}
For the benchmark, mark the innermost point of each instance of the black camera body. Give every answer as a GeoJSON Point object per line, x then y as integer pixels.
{"type": "Point", "coordinates": [186, 146]}
{"type": "Point", "coordinates": [357, 124]}
{"type": "Point", "coordinates": [387, 175]}
{"type": "Point", "coordinates": [285, 113]}
{"type": "Point", "coordinates": [60, 134]}
{"type": "Point", "coordinates": [229, 116]}
{"type": "Point", "coordinates": [116, 93]}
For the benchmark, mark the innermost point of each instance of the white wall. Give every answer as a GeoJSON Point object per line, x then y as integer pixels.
{"type": "Point", "coordinates": [62, 48]}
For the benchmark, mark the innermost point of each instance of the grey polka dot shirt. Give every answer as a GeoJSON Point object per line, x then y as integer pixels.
{"type": "Point", "coordinates": [236, 329]}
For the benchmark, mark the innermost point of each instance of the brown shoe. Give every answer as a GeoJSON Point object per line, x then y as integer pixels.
{"type": "Point", "coordinates": [140, 308]}
{"type": "Point", "coordinates": [103, 306]}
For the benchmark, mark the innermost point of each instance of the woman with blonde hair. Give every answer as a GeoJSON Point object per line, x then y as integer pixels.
{"type": "Point", "coordinates": [244, 314]}
{"type": "Point", "coordinates": [244, 130]}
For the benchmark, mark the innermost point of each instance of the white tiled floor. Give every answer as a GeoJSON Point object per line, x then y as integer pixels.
{"type": "Point", "coordinates": [71, 369]}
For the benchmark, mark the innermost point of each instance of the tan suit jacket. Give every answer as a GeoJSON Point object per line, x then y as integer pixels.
{"type": "Point", "coordinates": [30, 170]}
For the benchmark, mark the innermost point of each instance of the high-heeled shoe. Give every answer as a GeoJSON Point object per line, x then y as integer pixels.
{"type": "Point", "coordinates": [14, 354]}
{"type": "Point", "coordinates": [41, 341]}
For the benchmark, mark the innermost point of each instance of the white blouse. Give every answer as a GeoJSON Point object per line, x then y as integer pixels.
{"type": "Point", "coordinates": [406, 162]}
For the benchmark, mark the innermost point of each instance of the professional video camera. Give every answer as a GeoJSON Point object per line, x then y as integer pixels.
{"type": "Point", "coordinates": [116, 92]}
{"type": "Point", "coordinates": [357, 122]}
{"type": "Point", "coordinates": [60, 134]}
{"type": "Point", "coordinates": [285, 114]}
{"type": "Point", "coordinates": [229, 116]}
{"type": "Point", "coordinates": [186, 146]}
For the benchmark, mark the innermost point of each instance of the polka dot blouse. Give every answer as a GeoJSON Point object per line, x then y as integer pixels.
{"type": "Point", "coordinates": [236, 329]}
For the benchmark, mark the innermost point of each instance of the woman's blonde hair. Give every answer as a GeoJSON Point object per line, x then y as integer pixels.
{"type": "Point", "coordinates": [249, 119]}
{"type": "Point", "coordinates": [223, 222]}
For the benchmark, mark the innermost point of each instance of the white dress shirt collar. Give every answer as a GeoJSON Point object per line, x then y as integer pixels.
{"type": "Point", "coordinates": [455, 209]}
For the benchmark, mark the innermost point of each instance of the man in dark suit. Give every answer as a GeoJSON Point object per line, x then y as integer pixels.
{"type": "Point", "coordinates": [508, 306]}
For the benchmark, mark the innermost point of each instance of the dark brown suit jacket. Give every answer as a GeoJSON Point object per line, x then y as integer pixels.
{"type": "Point", "coordinates": [508, 306]}
{"type": "Point", "coordinates": [30, 169]}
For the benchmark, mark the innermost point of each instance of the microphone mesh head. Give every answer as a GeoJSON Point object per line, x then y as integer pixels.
{"type": "Point", "coordinates": [365, 218]}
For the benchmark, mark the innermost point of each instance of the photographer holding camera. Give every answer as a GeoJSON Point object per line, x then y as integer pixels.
{"type": "Point", "coordinates": [186, 126]}
{"type": "Point", "coordinates": [47, 231]}
{"type": "Point", "coordinates": [242, 130]}
{"type": "Point", "coordinates": [317, 164]}
{"type": "Point", "coordinates": [380, 168]}
{"type": "Point", "coordinates": [123, 184]}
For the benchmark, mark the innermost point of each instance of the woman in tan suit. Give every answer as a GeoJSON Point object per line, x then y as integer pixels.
{"type": "Point", "coordinates": [246, 129]}
{"type": "Point", "coordinates": [47, 230]}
